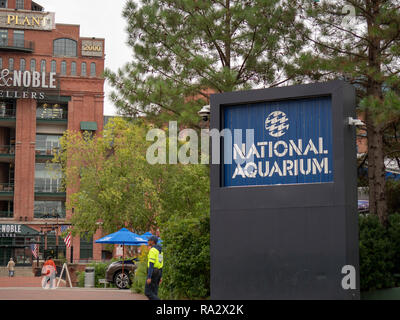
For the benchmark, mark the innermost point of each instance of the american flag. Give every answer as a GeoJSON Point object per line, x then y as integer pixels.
{"type": "Point", "coordinates": [35, 250]}
{"type": "Point", "coordinates": [67, 238]}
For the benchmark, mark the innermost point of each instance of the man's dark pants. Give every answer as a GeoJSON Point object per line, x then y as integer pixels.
{"type": "Point", "coordinates": [151, 290]}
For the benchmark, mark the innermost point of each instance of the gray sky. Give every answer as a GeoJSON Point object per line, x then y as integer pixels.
{"type": "Point", "coordinates": [100, 19]}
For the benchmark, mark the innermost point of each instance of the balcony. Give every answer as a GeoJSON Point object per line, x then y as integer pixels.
{"type": "Point", "coordinates": [7, 114]}
{"type": "Point", "coordinates": [42, 213]}
{"type": "Point", "coordinates": [12, 44]}
{"type": "Point", "coordinates": [46, 153]}
{"type": "Point", "coordinates": [49, 189]}
{"type": "Point", "coordinates": [6, 188]}
{"type": "Point", "coordinates": [51, 115]}
{"type": "Point", "coordinates": [7, 153]}
{"type": "Point", "coordinates": [6, 214]}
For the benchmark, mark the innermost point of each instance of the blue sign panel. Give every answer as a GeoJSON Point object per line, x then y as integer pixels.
{"type": "Point", "coordinates": [275, 143]}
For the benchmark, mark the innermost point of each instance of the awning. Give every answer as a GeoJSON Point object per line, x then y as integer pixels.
{"type": "Point", "coordinates": [88, 125]}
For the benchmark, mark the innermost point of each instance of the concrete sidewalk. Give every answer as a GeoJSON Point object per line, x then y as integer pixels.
{"type": "Point", "coordinates": [30, 288]}
{"type": "Point", "coordinates": [68, 294]}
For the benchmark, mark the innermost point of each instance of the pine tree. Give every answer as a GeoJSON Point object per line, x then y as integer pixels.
{"type": "Point", "coordinates": [359, 40]}
{"type": "Point", "coordinates": [184, 50]}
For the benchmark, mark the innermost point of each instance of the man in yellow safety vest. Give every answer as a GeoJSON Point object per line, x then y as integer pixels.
{"type": "Point", "coordinates": [154, 265]}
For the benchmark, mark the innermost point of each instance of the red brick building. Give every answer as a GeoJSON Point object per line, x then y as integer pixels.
{"type": "Point", "coordinates": [50, 81]}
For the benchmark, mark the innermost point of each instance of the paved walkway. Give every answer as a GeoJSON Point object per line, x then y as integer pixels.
{"type": "Point", "coordinates": [29, 288]}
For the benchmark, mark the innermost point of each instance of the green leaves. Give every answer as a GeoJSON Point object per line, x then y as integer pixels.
{"type": "Point", "coordinates": [183, 48]}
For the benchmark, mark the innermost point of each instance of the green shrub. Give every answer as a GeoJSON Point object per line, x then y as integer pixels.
{"type": "Point", "coordinates": [99, 273]}
{"type": "Point", "coordinates": [186, 272]}
{"type": "Point", "coordinates": [81, 278]}
{"type": "Point", "coordinates": [376, 254]}
{"type": "Point", "coordinates": [394, 237]}
{"type": "Point", "coordinates": [139, 280]}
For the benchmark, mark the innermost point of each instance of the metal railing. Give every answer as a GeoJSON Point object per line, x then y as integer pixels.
{"type": "Point", "coordinates": [44, 214]}
{"type": "Point", "coordinates": [6, 187]}
{"type": "Point", "coordinates": [52, 187]}
{"type": "Point", "coordinates": [7, 113]}
{"type": "Point", "coordinates": [7, 149]}
{"type": "Point", "coordinates": [51, 114]}
{"type": "Point", "coordinates": [11, 43]}
{"type": "Point", "coordinates": [6, 214]}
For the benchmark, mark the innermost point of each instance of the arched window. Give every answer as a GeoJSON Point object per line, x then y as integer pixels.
{"type": "Point", "coordinates": [22, 65]}
{"type": "Point", "coordinates": [43, 66]}
{"type": "Point", "coordinates": [93, 69]}
{"type": "Point", "coordinates": [73, 68]}
{"type": "Point", "coordinates": [83, 69]}
{"type": "Point", "coordinates": [53, 66]}
{"type": "Point", "coordinates": [33, 65]}
{"type": "Point", "coordinates": [63, 68]}
{"type": "Point", "coordinates": [64, 47]}
{"type": "Point", "coordinates": [11, 64]}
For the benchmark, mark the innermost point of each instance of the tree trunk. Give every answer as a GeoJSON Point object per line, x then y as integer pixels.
{"type": "Point", "coordinates": [376, 156]}
{"type": "Point", "coordinates": [376, 173]}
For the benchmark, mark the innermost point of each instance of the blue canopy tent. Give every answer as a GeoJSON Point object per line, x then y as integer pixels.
{"type": "Point", "coordinates": [148, 234]}
{"type": "Point", "coordinates": [124, 237]}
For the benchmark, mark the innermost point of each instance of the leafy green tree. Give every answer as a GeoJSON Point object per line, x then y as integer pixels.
{"type": "Point", "coordinates": [359, 41]}
{"type": "Point", "coordinates": [112, 181]}
{"type": "Point", "coordinates": [185, 49]}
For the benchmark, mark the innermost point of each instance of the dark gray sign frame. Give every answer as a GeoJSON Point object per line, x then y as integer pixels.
{"type": "Point", "coordinates": [287, 241]}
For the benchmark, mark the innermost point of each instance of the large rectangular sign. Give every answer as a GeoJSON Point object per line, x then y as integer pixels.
{"type": "Point", "coordinates": [283, 202]}
{"type": "Point", "coordinates": [92, 48]}
{"type": "Point", "coordinates": [27, 20]}
{"type": "Point", "coordinates": [280, 142]}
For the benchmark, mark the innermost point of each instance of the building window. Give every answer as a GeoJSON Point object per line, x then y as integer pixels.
{"type": "Point", "coordinates": [48, 178]}
{"type": "Point", "coordinates": [83, 69]}
{"type": "Point", "coordinates": [43, 66]}
{"type": "Point", "coordinates": [86, 248]}
{"type": "Point", "coordinates": [47, 144]}
{"type": "Point", "coordinates": [49, 209]}
{"type": "Point", "coordinates": [19, 38]}
{"type": "Point", "coordinates": [1, 63]}
{"type": "Point", "coordinates": [63, 68]}
{"type": "Point", "coordinates": [3, 3]}
{"type": "Point", "coordinates": [65, 47]}
{"type": "Point", "coordinates": [53, 66]}
{"type": "Point", "coordinates": [73, 68]}
{"type": "Point", "coordinates": [93, 69]}
{"type": "Point", "coordinates": [22, 65]}
{"type": "Point", "coordinates": [19, 4]}
{"type": "Point", "coordinates": [11, 64]}
{"type": "Point", "coordinates": [3, 37]}
{"type": "Point", "coordinates": [6, 209]}
{"type": "Point", "coordinates": [33, 65]}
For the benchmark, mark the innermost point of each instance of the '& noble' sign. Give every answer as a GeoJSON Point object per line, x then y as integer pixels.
{"type": "Point", "coordinates": [26, 84]}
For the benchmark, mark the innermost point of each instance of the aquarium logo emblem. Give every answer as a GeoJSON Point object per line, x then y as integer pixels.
{"type": "Point", "coordinates": [277, 124]}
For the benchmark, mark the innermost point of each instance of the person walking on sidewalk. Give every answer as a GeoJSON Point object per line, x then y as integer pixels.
{"type": "Point", "coordinates": [154, 273]}
{"type": "Point", "coordinates": [49, 271]}
{"type": "Point", "coordinates": [11, 267]}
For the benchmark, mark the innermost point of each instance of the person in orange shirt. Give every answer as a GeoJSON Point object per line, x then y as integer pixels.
{"type": "Point", "coordinates": [49, 270]}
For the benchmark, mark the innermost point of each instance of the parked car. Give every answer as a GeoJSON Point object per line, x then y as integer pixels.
{"type": "Point", "coordinates": [121, 279]}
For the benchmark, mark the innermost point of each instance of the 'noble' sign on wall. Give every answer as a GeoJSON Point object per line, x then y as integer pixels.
{"type": "Point", "coordinates": [283, 142]}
